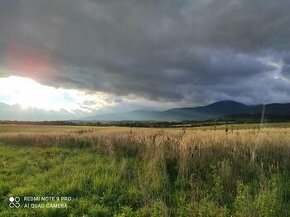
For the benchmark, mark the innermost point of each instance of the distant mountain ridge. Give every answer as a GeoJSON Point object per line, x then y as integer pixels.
{"type": "Point", "coordinates": [215, 110]}
{"type": "Point", "coordinates": [218, 110]}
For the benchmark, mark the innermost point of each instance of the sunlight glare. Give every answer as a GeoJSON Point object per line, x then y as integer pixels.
{"type": "Point", "coordinates": [30, 94]}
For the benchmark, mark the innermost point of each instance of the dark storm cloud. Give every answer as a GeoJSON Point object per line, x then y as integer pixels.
{"type": "Point", "coordinates": [286, 66]}
{"type": "Point", "coordinates": [195, 50]}
{"type": "Point", "coordinates": [286, 70]}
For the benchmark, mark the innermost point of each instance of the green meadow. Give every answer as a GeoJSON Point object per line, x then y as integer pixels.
{"type": "Point", "coordinates": [146, 172]}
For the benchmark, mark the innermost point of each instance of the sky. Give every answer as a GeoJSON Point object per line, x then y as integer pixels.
{"type": "Point", "coordinates": [98, 56]}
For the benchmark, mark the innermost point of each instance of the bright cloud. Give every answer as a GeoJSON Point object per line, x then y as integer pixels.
{"type": "Point", "coordinates": [30, 94]}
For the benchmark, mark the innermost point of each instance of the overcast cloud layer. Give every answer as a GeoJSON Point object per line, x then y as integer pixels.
{"type": "Point", "coordinates": [187, 51]}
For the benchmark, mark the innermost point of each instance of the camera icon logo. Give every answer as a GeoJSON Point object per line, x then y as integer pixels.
{"type": "Point", "coordinates": [14, 202]}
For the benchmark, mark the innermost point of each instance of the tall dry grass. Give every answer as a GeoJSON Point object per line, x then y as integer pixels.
{"type": "Point", "coordinates": [187, 172]}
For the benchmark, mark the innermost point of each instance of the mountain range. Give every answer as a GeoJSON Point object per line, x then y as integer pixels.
{"type": "Point", "coordinates": [215, 110]}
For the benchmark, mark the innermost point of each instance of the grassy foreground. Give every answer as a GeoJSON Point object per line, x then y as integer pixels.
{"type": "Point", "coordinates": [147, 172]}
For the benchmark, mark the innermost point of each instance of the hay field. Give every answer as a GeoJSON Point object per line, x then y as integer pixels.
{"type": "Point", "coordinates": [113, 171]}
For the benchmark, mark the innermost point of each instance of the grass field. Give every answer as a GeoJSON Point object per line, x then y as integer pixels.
{"type": "Point", "coordinates": [239, 170]}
